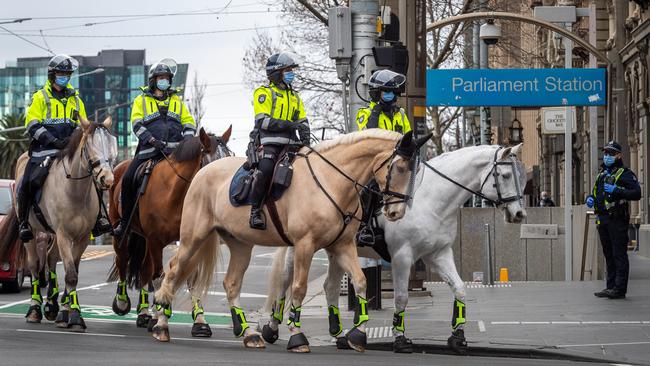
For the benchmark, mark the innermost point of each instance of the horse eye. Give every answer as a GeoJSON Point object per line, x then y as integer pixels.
{"type": "Point", "coordinates": [401, 170]}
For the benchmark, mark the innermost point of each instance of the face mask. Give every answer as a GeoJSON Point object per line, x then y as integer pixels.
{"type": "Point", "coordinates": [608, 160]}
{"type": "Point", "coordinates": [288, 77]}
{"type": "Point", "coordinates": [62, 80]}
{"type": "Point", "coordinates": [388, 96]}
{"type": "Point", "coordinates": [162, 84]}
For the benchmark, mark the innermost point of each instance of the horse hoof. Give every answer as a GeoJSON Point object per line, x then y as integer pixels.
{"type": "Point", "coordinates": [117, 310]}
{"type": "Point", "coordinates": [152, 323]}
{"type": "Point", "coordinates": [34, 314]}
{"type": "Point", "coordinates": [161, 334]}
{"type": "Point", "coordinates": [254, 341]}
{"type": "Point", "coordinates": [298, 343]}
{"type": "Point", "coordinates": [457, 342]}
{"type": "Point", "coordinates": [201, 330]}
{"type": "Point", "coordinates": [76, 323]}
{"type": "Point", "coordinates": [270, 335]}
{"type": "Point", "coordinates": [143, 320]}
{"type": "Point", "coordinates": [51, 310]}
{"type": "Point", "coordinates": [62, 318]}
{"type": "Point", "coordinates": [342, 343]}
{"type": "Point", "coordinates": [357, 340]}
{"type": "Point", "coordinates": [402, 345]}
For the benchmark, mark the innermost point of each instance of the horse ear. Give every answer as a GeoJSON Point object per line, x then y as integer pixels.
{"type": "Point", "coordinates": [505, 153]}
{"type": "Point", "coordinates": [517, 150]}
{"type": "Point", "coordinates": [108, 122]}
{"type": "Point", "coordinates": [205, 139]}
{"type": "Point", "coordinates": [422, 140]}
{"type": "Point", "coordinates": [226, 135]}
{"type": "Point", "coordinates": [406, 140]}
{"type": "Point", "coordinates": [84, 123]}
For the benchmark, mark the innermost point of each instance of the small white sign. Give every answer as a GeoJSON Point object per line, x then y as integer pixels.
{"type": "Point", "coordinates": [554, 120]}
{"type": "Point", "coordinates": [537, 231]}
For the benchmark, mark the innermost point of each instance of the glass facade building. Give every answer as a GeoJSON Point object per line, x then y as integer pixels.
{"type": "Point", "coordinates": [113, 90]}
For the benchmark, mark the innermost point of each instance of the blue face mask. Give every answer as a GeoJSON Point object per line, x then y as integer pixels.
{"type": "Point", "coordinates": [62, 80]}
{"type": "Point", "coordinates": [388, 96]}
{"type": "Point", "coordinates": [288, 77]}
{"type": "Point", "coordinates": [162, 84]}
{"type": "Point", "coordinates": [608, 160]}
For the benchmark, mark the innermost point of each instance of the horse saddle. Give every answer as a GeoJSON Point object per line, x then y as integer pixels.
{"type": "Point", "coordinates": [143, 172]}
{"type": "Point", "coordinates": [243, 181]}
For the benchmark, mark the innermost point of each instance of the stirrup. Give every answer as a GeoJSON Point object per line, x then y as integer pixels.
{"type": "Point", "coordinates": [102, 226]}
{"type": "Point", "coordinates": [25, 232]}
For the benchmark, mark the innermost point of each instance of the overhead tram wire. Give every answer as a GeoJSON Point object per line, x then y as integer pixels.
{"type": "Point", "coordinates": [148, 15]}
{"type": "Point", "coordinates": [21, 35]}
{"type": "Point", "coordinates": [25, 39]}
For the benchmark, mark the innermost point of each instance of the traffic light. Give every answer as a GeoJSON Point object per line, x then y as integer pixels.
{"type": "Point", "coordinates": [394, 57]}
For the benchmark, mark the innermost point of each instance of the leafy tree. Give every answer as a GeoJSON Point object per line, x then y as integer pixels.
{"type": "Point", "coordinates": [12, 144]}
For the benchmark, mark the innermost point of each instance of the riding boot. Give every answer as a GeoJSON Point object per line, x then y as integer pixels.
{"type": "Point", "coordinates": [24, 203]}
{"type": "Point", "coordinates": [119, 230]}
{"type": "Point", "coordinates": [365, 237]}
{"type": "Point", "coordinates": [102, 226]}
{"type": "Point", "coordinates": [257, 219]}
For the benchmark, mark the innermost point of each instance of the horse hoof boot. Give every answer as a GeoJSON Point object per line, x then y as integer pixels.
{"type": "Point", "coordinates": [51, 310]}
{"type": "Point", "coordinates": [152, 323]}
{"type": "Point", "coordinates": [298, 343]}
{"type": "Point", "coordinates": [160, 333]}
{"type": "Point", "coordinates": [119, 311]}
{"type": "Point", "coordinates": [254, 341]}
{"type": "Point", "coordinates": [342, 343]}
{"type": "Point", "coordinates": [143, 320]}
{"type": "Point", "coordinates": [270, 335]}
{"type": "Point", "coordinates": [357, 340]}
{"type": "Point", "coordinates": [76, 323]}
{"type": "Point", "coordinates": [201, 330]}
{"type": "Point", "coordinates": [457, 342]}
{"type": "Point", "coordinates": [34, 314]}
{"type": "Point", "coordinates": [62, 318]}
{"type": "Point", "coordinates": [402, 345]}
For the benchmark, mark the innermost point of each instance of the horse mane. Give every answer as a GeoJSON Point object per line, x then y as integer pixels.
{"type": "Point", "coordinates": [75, 140]}
{"type": "Point", "coordinates": [190, 149]}
{"type": "Point", "coordinates": [354, 137]}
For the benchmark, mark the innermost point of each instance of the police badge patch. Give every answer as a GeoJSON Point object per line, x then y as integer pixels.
{"type": "Point", "coordinates": [261, 98]}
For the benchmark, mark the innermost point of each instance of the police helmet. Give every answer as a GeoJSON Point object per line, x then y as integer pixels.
{"type": "Point", "coordinates": [613, 146]}
{"type": "Point", "coordinates": [278, 62]}
{"type": "Point", "coordinates": [166, 66]}
{"type": "Point", "coordinates": [62, 63]}
{"type": "Point", "coordinates": [385, 80]}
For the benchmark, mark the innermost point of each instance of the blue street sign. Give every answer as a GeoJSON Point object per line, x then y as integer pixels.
{"type": "Point", "coordinates": [516, 87]}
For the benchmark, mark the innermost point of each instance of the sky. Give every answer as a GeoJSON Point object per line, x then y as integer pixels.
{"type": "Point", "coordinates": [217, 57]}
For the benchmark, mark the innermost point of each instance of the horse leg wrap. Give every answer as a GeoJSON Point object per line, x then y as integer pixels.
{"type": "Point", "coordinates": [334, 317]}
{"type": "Point", "coordinates": [197, 309]}
{"type": "Point", "coordinates": [398, 323]}
{"type": "Point", "coordinates": [121, 291]}
{"type": "Point", "coordinates": [278, 310]}
{"type": "Point", "coordinates": [74, 301]}
{"type": "Point", "coordinates": [361, 312]}
{"type": "Point", "coordinates": [458, 319]}
{"type": "Point", "coordinates": [143, 302]}
{"type": "Point", "coordinates": [165, 308]}
{"type": "Point", "coordinates": [294, 316]}
{"type": "Point", "coordinates": [36, 291]}
{"type": "Point", "coordinates": [52, 287]}
{"type": "Point", "coordinates": [239, 324]}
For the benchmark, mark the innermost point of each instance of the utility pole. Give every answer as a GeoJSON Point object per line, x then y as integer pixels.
{"type": "Point", "coordinates": [483, 63]}
{"type": "Point", "coordinates": [364, 35]}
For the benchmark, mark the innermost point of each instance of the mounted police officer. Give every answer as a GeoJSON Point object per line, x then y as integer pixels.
{"type": "Point", "coordinates": [52, 117]}
{"type": "Point", "coordinates": [279, 117]}
{"type": "Point", "coordinates": [160, 120]}
{"type": "Point", "coordinates": [615, 186]}
{"type": "Point", "coordinates": [382, 112]}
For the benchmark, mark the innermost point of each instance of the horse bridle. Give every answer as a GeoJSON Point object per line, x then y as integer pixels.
{"type": "Point", "coordinates": [204, 162]}
{"type": "Point", "coordinates": [493, 172]}
{"type": "Point", "coordinates": [401, 197]}
{"type": "Point", "coordinates": [92, 163]}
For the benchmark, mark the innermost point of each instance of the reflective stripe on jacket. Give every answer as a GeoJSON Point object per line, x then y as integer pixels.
{"type": "Point", "coordinates": [276, 112]}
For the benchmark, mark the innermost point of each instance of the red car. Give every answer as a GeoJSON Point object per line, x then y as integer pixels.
{"type": "Point", "coordinates": [12, 267]}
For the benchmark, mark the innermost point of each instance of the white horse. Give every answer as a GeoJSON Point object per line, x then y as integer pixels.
{"type": "Point", "coordinates": [427, 231]}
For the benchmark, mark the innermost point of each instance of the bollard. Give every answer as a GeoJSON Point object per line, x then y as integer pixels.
{"type": "Point", "coordinates": [488, 278]}
{"type": "Point", "coordinates": [503, 274]}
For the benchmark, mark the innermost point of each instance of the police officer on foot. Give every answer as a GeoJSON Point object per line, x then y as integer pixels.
{"type": "Point", "coordinates": [279, 115]}
{"type": "Point", "coordinates": [382, 112]}
{"type": "Point", "coordinates": [615, 186]}
{"type": "Point", "coordinates": [160, 120]}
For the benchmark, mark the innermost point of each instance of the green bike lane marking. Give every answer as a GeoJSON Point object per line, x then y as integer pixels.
{"type": "Point", "coordinates": [106, 313]}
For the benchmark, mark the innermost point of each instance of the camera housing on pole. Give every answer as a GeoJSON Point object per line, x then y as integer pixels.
{"type": "Point", "coordinates": [490, 33]}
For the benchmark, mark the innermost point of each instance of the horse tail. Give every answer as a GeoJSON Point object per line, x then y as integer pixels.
{"type": "Point", "coordinates": [208, 256]}
{"type": "Point", "coordinates": [135, 257]}
{"type": "Point", "coordinates": [8, 234]}
{"type": "Point", "coordinates": [276, 278]}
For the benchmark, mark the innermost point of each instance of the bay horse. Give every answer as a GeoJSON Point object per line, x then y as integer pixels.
{"type": "Point", "coordinates": [428, 231]}
{"type": "Point", "coordinates": [139, 260]}
{"type": "Point", "coordinates": [318, 210]}
{"type": "Point", "coordinates": [70, 206]}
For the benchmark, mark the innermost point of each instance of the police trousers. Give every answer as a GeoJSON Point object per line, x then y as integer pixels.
{"type": "Point", "coordinates": [614, 239]}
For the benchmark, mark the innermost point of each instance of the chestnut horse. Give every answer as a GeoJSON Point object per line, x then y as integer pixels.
{"type": "Point", "coordinates": [139, 257]}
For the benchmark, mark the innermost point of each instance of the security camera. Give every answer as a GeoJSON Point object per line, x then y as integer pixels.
{"type": "Point", "coordinates": [490, 32]}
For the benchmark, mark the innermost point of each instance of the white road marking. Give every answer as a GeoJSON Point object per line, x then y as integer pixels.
{"type": "Point", "coordinates": [565, 322]}
{"type": "Point", "coordinates": [93, 287]}
{"type": "Point", "coordinates": [205, 340]}
{"type": "Point", "coordinates": [481, 326]}
{"type": "Point", "coordinates": [504, 323]}
{"type": "Point", "coordinates": [601, 344]}
{"type": "Point", "coordinates": [62, 332]}
{"type": "Point", "coordinates": [575, 322]}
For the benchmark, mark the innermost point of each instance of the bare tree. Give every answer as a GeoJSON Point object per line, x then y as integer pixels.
{"type": "Point", "coordinates": [196, 106]}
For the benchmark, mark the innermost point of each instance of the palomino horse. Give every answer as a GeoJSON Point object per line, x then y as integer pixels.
{"type": "Point", "coordinates": [139, 260]}
{"type": "Point", "coordinates": [70, 206]}
{"type": "Point", "coordinates": [428, 231]}
{"type": "Point", "coordinates": [315, 213]}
